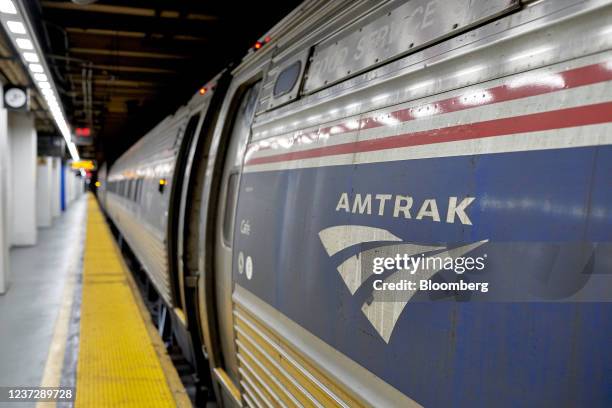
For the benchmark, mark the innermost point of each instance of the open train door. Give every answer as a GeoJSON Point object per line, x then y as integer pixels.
{"type": "Point", "coordinates": [238, 132]}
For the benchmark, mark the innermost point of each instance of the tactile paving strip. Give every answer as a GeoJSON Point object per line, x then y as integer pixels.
{"type": "Point", "coordinates": [118, 365]}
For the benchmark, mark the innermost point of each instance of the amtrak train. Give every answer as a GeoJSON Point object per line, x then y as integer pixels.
{"type": "Point", "coordinates": [271, 213]}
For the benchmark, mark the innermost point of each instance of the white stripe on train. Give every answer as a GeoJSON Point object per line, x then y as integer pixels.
{"type": "Point", "coordinates": [592, 135]}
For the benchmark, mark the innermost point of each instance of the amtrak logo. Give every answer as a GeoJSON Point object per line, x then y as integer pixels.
{"type": "Point", "coordinates": [382, 313]}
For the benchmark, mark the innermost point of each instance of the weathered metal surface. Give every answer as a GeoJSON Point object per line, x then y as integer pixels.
{"type": "Point", "coordinates": [397, 29]}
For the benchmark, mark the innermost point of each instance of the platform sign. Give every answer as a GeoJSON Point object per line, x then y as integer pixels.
{"type": "Point", "coordinates": [51, 145]}
{"type": "Point", "coordinates": [83, 164]}
{"type": "Point", "coordinates": [82, 136]}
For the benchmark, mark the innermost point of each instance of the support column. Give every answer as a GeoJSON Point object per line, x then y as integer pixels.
{"type": "Point", "coordinates": [56, 176]}
{"type": "Point", "coordinates": [67, 186]}
{"type": "Point", "coordinates": [63, 187]}
{"type": "Point", "coordinates": [4, 200]}
{"type": "Point", "coordinates": [44, 191]}
{"type": "Point", "coordinates": [22, 138]}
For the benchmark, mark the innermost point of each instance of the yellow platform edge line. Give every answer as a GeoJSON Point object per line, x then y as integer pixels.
{"type": "Point", "coordinates": [172, 377]}
{"type": "Point", "coordinates": [115, 346]}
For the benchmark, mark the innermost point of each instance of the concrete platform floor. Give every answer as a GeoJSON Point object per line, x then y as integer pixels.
{"type": "Point", "coordinates": [73, 317]}
{"type": "Point", "coordinates": [30, 308]}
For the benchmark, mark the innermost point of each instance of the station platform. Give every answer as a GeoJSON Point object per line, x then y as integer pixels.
{"type": "Point", "coordinates": [74, 318]}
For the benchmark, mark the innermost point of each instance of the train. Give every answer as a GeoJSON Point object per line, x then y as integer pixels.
{"type": "Point", "coordinates": [269, 211]}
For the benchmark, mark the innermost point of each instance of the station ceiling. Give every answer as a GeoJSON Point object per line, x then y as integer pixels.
{"type": "Point", "coordinates": [121, 66]}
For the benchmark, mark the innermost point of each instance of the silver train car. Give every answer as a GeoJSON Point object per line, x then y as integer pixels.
{"type": "Point", "coordinates": [361, 130]}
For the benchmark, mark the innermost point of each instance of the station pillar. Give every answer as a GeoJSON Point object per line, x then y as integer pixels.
{"type": "Point", "coordinates": [56, 191]}
{"type": "Point", "coordinates": [4, 201]}
{"type": "Point", "coordinates": [68, 184]}
{"type": "Point", "coordinates": [22, 141]}
{"type": "Point", "coordinates": [44, 191]}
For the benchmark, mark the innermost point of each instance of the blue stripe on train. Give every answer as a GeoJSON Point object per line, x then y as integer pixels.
{"type": "Point", "coordinates": [449, 353]}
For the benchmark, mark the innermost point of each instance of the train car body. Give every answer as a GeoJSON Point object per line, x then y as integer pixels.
{"type": "Point", "coordinates": [367, 130]}
{"type": "Point", "coordinates": [101, 177]}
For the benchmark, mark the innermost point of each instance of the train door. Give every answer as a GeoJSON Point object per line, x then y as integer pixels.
{"type": "Point", "coordinates": [174, 218]}
{"type": "Point", "coordinates": [228, 194]}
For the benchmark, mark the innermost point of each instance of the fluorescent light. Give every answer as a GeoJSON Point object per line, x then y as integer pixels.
{"type": "Point", "coordinates": [36, 68]}
{"type": "Point", "coordinates": [73, 150]}
{"type": "Point", "coordinates": [24, 44]}
{"type": "Point", "coordinates": [33, 59]}
{"type": "Point", "coordinates": [7, 6]}
{"type": "Point", "coordinates": [16, 27]}
{"type": "Point", "coordinates": [30, 57]}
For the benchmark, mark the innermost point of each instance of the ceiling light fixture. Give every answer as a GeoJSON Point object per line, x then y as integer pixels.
{"type": "Point", "coordinates": [30, 57]}
{"type": "Point", "coordinates": [7, 6]}
{"type": "Point", "coordinates": [24, 43]}
{"type": "Point", "coordinates": [17, 27]}
{"type": "Point", "coordinates": [37, 68]}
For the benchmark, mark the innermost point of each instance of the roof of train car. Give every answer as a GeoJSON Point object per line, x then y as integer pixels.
{"type": "Point", "coordinates": [283, 33]}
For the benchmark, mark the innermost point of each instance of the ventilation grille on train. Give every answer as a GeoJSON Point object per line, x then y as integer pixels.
{"type": "Point", "coordinates": [274, 375]}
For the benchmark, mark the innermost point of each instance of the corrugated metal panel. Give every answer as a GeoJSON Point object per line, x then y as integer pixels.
{"type": "Point", "coordinates": [148, 248]}
{"type": "Point", "coordinates": [274, 374]}
{"type": "Point", "coordinates": [144, 223]}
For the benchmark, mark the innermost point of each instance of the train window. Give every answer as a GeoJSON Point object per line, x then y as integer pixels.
{"type": "Point", "coordinates": [230, 203]}
{"type": "Point", "coordinates": [282, 82]}
{"type": "Point", "coordinates": [286, 80]}
{"type": "Point", "coordinates": [133, 190]}
{"type": "Point", "coordinates": [138, 189]}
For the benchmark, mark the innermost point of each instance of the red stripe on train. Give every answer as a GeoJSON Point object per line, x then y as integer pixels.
{"type": "Point", "coordinates": [587, 75]}
{"type": "Point", "coordinates": [536, 122]}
